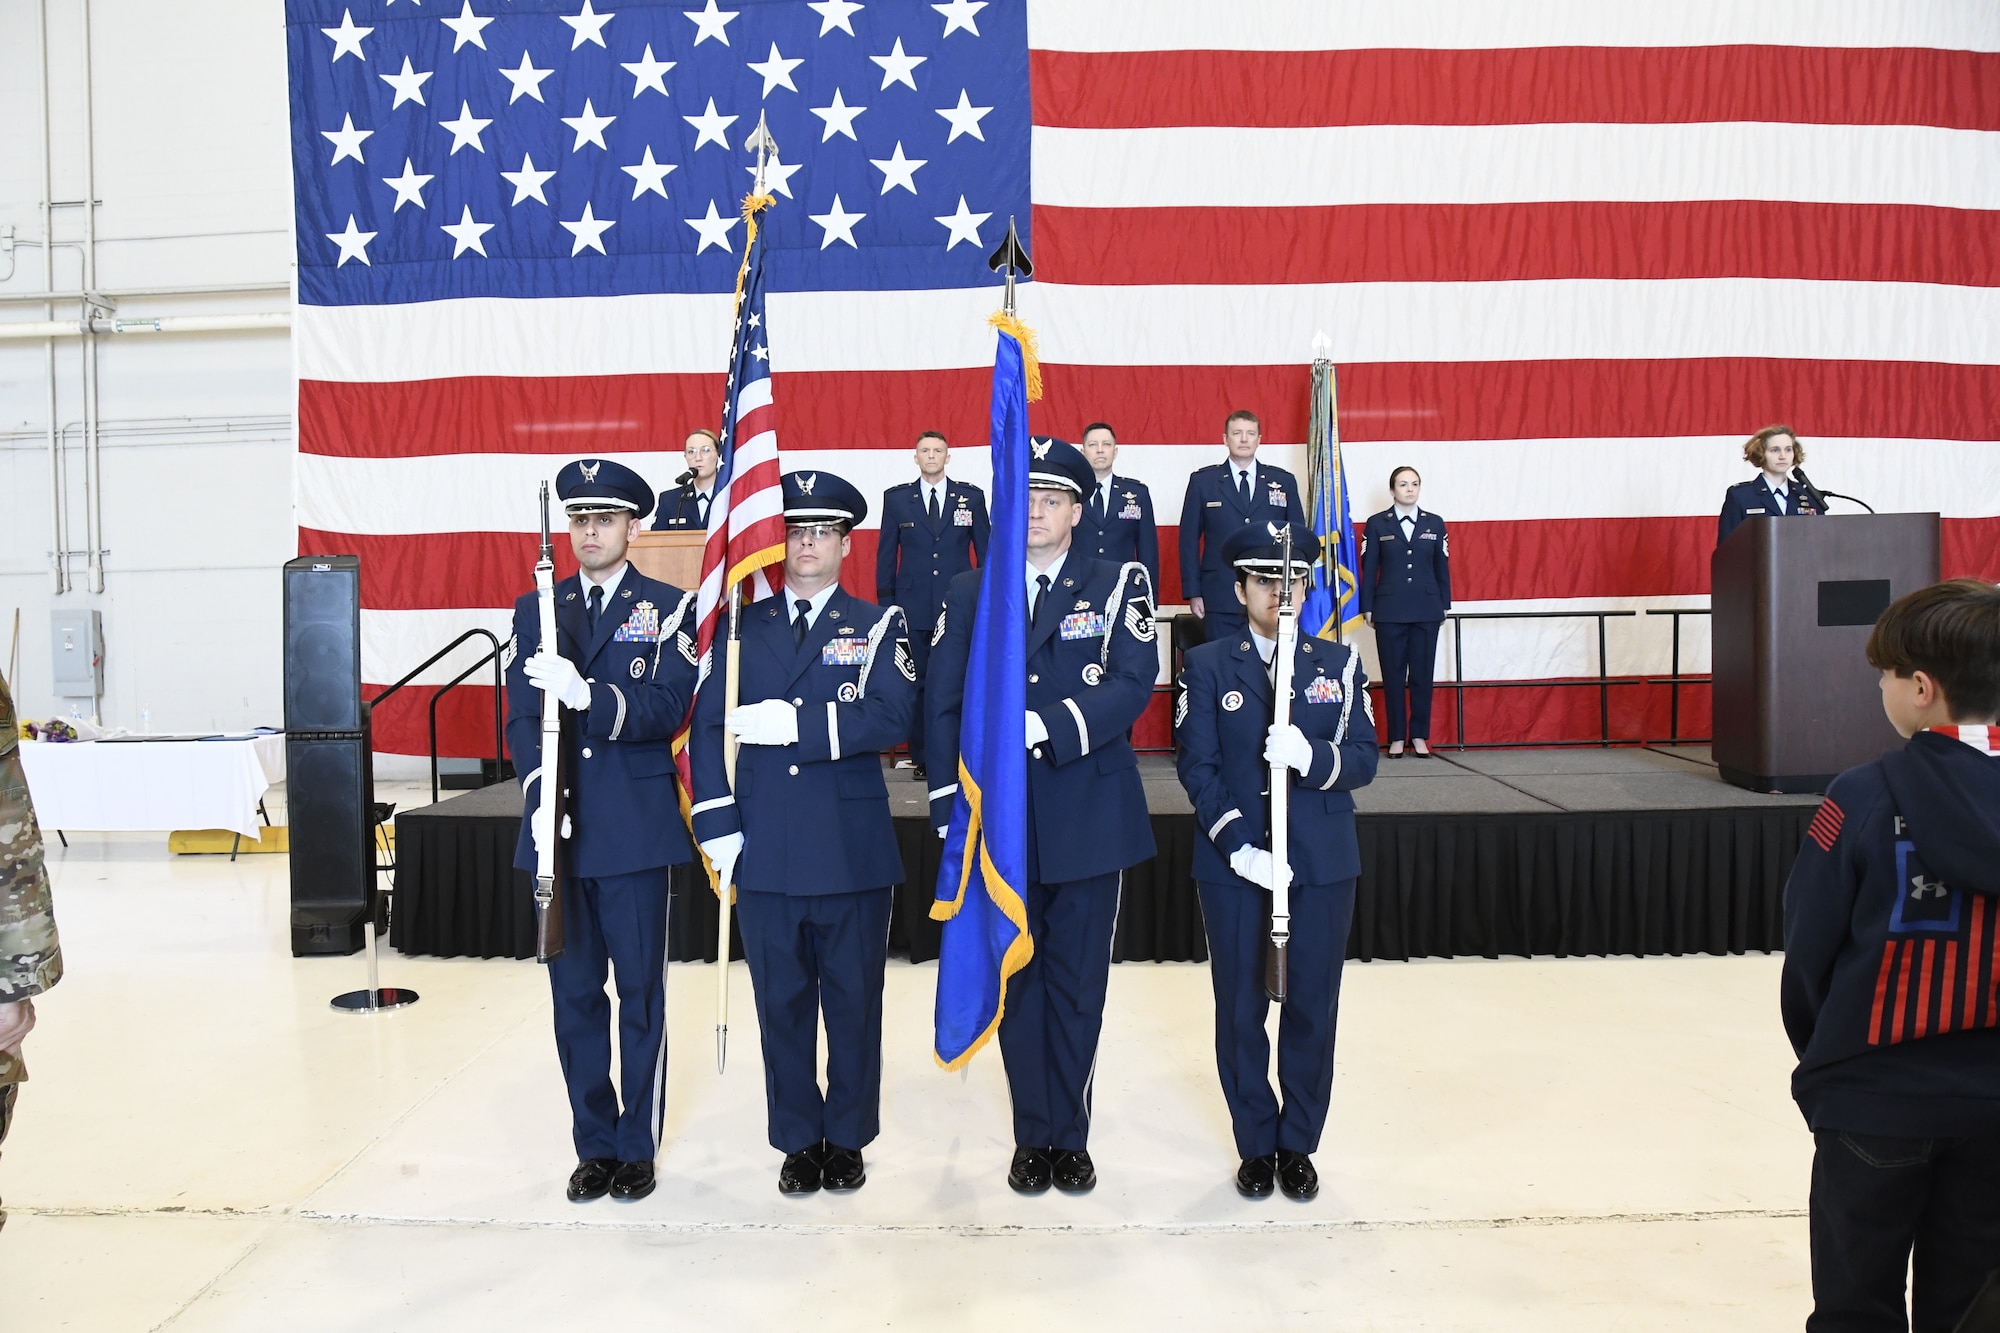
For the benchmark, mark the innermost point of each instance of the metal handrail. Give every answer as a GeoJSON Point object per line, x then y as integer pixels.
{"type": "Point", "coordinates": [1603, 683]}
{"type": "Point", "coordinates": [454, 683]}
{"type": "Point", "coordinates": [499, 689]}
{"type": "Point", "coordinates": [1676, 680]}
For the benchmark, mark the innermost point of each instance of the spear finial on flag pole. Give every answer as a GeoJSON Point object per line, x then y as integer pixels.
{"type": "Point", "coordinates": [1012, 258]}
{"type": "Point", "coordinates": [764, 146]}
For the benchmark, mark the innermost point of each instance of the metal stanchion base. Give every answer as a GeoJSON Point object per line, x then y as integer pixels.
{"type": "Point", "coordinates": [368, 1002]}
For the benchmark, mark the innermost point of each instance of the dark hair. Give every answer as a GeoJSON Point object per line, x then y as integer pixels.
{"type": "Point", "coordinates": [1104, 426]}
{"type": "Point", "coordinates": [1241, 414]}
{"type": "Point", "coordinates": [937, 435]}
{"type": "Point", "coordinates": [1950, 631]}
{"type": "Point", "coordinates": [1753, 448]}
{"type": "Point", "coordinates": [1400, 471]}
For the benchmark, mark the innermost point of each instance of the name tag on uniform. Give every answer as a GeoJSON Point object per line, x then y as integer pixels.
{"type": "Point", "coordinates": [910, 524]}
{"type": "Point", "coordinates": [1214, 504]}
{"type": "Point", "coordinates": [844, 652]}
{"type": "Point", "coordinates": [642, 626]}
{"type": "Point", "coordinates": [961, 517]}
{"type": "Point", "coordinates": [1322, 691]}
{"type": "Point", "coordinates": [1083, 625]}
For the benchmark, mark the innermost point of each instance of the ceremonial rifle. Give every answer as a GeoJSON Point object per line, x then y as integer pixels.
{"type": "Point", "coordinates": [547, 814]}
{"type": "Point", "coordinates": [1281, 776]}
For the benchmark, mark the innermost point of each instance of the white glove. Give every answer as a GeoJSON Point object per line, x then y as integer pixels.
{"type": "Point", "coordinates": [1037, 732]}
{"type": "Point", "coordinates": [17, 1020]}
{"type": "Point", "coordinates": [772, 722]}
{"type": "Point", "coordinates": [722, 853]}
{"type": "Point", "coordinates": [558, 675]}
{"type": "Point", "coordinates": [1255, 864]}
{"type": "Point", "coordinates": [1288, 745]}
{"type": "Point", "coordinates": [943, 833]}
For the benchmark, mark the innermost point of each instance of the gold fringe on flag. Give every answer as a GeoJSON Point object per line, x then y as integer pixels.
{"type": "Point", "coordinates": [753, 204]}
{"type": "Point", "coordinates": [1031, 359]}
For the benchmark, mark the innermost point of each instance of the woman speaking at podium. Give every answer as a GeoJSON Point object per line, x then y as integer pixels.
{"type": "Point", "coordinates": [1775, 450]}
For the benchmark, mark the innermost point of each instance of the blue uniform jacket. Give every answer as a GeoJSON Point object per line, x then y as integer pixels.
{"type": "Point", "coordinates": [1128, 532]}
{"type": "Point", "coordinates": [1891, 916]}
{"type": "Point", "coordinates": [1405, 582]}
{"type": "Point", "coordinates": [640, 663]}
{"type": "Point", "coordinates": [814, 814]}
{"type": "Point", "coordinates": [1091, 667]}
{"type": "Point", "coordinates": [678, 510]}
{"type": "Point", "coordinates": [915, 561]}
{"type": "Point", "coordinates": [1213, 510]}
{"type": "Point", "coordinates": [1751, 499]}
{"type": "Point", "coordinates": [1223, 713]}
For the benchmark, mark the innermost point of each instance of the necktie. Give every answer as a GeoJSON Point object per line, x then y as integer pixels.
{"type": "Point", "coordinates": [701, 507]}
{"type": "Point", "coordinates": [596, 603]}
{"type": "Point", "coordinates": [1409, 527]}
{"type": "Point", "coordinates": [934, 507]}
{"type": "Point", "coordinates": [1097, 505]}
{"type": "Point", "coordinates": [1041, 595]}
{"type": "Point", "coordinates": [803, 607]}
{"type": "Point", "coordinates": [1243, 486]}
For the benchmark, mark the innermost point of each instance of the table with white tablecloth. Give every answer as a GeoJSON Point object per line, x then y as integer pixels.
{"type": "Point", "coordinates": [119, 785]}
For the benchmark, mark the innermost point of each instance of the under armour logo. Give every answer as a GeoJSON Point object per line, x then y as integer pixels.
{"type": "Point", "coordinates": [1923, 888]}
{"type": "Point", "coordinates": [589, 470]}
{"type": "Point", "coordinates": [807, 481]}
{"type": "Point", "coordinates": [1040, 448]}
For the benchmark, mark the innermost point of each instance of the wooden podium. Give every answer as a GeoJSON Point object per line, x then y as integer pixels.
{"type": "Point", "coordinates": [1793, 601]}
{"type": "Point", "coordinates": [671, 557]}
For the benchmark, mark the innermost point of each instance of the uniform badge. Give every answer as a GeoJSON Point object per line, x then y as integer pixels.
{"type": "Point", "coordinates": [1083, 625]}
{"type": "Point", "coordinates": [1181, 706]}
{"type": "Point", "coordinates": [1322, 691]}
{"type": "Point", "coordinates": [589, 470]}
{"type": "Point", "coordinates": [961, 517]}
{"type": "Point", "coordinates": [848, 692]}
{"type": "Point", "coordinates": [686, 642]}
{"type": "Point", "coordinates": [844, 652]}
{"type": "Point", "coordinates": [937, 633]}
{"type": "Point", "coordinates": [642, 626]}
{"type": "Point", "coordinates": [1092, 673]}
{"type": "Point", "coordinates": [1131, 509]}
{"type": "Point", "coordinates": [638, 667]}
{"type": "Point", "coordinates": [510, 652]}
{"type": "Point", "coordinates": [1232, 701]}
{"type": "Point", "coordinates": [1276, 498]}
{"type": "Point", "coordinates": [906, 661]}
{"type": "Point", "coordinates": [1139, 620]}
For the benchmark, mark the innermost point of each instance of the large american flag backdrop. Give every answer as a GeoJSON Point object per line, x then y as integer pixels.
{"type": "Point", "coordinates": [1569, 254]}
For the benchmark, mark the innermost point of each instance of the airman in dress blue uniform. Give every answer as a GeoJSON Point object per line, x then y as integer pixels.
{"type": "Point", "coordinates": [1117, 523]}
{"type": "Point", "coordinates": [1091, 661]}
{"type": "Point", "coordinates": [933, 530]}
{"type": "Point", "coordinates": [1221, 500]}
{"type": "Point", "coordinates": [1405, 591]}
{"type": "Point", "coordinates": [685, 508]}
{"type": "Point", "coordinates": [1229, 744]}
{"type": "Point", "coordinates": [1772, 493]}
{"type": "Point", "coordinates": [827, 683]}
{"type": "Point", "coordinates": [624, 669]}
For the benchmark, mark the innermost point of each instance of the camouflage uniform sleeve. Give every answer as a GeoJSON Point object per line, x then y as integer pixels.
{"type": "Point", "coordinates": [30, 954]}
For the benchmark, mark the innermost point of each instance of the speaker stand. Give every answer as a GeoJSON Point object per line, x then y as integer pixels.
{"type": "Point", "coordinates": [377, 997]}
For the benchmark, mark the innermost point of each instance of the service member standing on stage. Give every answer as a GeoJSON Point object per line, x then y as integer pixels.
{"type": "Point", "coordinates": [1774, 451]}
{"type": "Point", "coordinates": [1091, 666]}
{"type": "Point", "coordinates": [827, 682]}
{"type": "Point", "coordinates": [624, 669]}
{"type": "Point", "coordinates": [1228, 743]}
{"type": "Point", "coordinates": [1405, 591]}
{"type": "Point", "coordinates": [1220, 500]}
{"type": "Point", "coordinates": [933, 530]}
{"type": "Point", "coordinates": [1117, 522]}
{"type": "Point", "coordinates": [685, 508]}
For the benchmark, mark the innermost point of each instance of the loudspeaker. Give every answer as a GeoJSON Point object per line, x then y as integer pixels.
{"type": "Point", "coordinates": [323, 643]}
{"type": "Point", "coordinates": [330, 785]}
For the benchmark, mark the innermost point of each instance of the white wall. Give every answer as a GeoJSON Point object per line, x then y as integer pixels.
{"type": "Point", "coordinates": [193, 183]}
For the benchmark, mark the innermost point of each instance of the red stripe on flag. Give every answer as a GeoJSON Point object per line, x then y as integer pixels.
{"type": "Point", "coordinates": [1876, 1035]}
{"type": "Point", "coordinates": [1518, 242]}
{"type": "Point", "coordinates": [1924, 990]}
{"type": "Point", "coordinates": [1946, 996]}
{"type": "Point", "coordinates": [1517, 86]}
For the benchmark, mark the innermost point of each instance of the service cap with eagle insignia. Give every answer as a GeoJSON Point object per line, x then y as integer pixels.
{"type": "Point", "coordinates": [821, 497]}
{"type": "Point", "coordinates": [603, 486]}
{"type": "Point", "coordinates": [1056, 465]}
{"type": "Point", "coordinates": [1259, 549]}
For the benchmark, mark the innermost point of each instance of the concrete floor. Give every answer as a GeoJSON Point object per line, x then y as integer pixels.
{"type": "Point", "coordinates": [205, 1145]}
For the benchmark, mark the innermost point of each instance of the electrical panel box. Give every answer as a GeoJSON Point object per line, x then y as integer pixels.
{"type": "Point", "coordinates": [77, 641]}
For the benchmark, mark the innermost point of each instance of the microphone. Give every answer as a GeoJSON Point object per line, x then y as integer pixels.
{"type": "Point", "coordinates": [1812, 491]}
{"type": "Point", "coordinates": [684, 478]}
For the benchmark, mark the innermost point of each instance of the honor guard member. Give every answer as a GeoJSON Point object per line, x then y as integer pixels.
{"type": "Point", "coordinates": [933, 530]}
{"type": "Point", "coordinates": [624, 669]}
{"type": "Point", "coordinates": [1229, 742]}
{"type": "Point", "coordinates": [1117, 522]}
{"type": "Point", "coordinates": [1091, 666]}
{"type": "Point", "coordinates": [1774, 451]}
{"type": "Point", "coordinates": [1221, 499]}
{"type": "Point", "coordinates": [685, 508]}
{"type": "Point", "coordinates": [1405, 591]}
{"type": "Point", "coordinates": [827, 682]}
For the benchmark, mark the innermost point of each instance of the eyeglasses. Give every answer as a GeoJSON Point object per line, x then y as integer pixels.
{"type": "Point", "coordinates": [816, 533]}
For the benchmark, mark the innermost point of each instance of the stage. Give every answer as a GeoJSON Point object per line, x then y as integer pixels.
{"type": "Point", "coordinates": [1561, 852]}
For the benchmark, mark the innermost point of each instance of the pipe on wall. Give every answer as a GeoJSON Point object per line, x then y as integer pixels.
{"type": "Point", "coordinates": [103, 324]}
{"type": "Point", "coordinates": [58, 497]}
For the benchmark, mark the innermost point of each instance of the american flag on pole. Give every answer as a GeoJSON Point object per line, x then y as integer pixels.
{"type": "Point", "coordinates": [1569, 253]}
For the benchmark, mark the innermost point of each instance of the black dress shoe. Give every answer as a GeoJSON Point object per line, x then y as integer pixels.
{"type": "Point", "coordinates": [1030, 1172]}
{"type": "Point", "coordinates": [1257, 1178]}
{"type": "Point", "coordinates": [632, 1181]}
{"type": "Point", "coordinates": [1073, 1172]}
{"type": "Point", "coordinates": [842, 1169]}
{"type": "Point", "coordinates": [591, 1179]}
{"type": "Point", "coordinates": [801, 1172]}
{"type": "Point", "coordinates": [917, 772]}
{"type": "Point", "coordinates": [1296, 1176]}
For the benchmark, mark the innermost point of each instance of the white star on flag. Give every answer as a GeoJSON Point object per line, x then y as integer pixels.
{"type": "Point", "coordinates": [898, 170]}
{"type": "Point", "coordinates": [466, 129]}
{"type": "Point", "coordinates": [958, 14]}
{"type": "Point", "coordinates": [896, 66]}
{"type": "Point", "coordinates": [589, 127]}
{"type": "Point", "coordinates": [589, 232]}
{"type": "Point", "coordinates": [353, 244]}
{"type": "Point", "coordinates": [649, 73]}
{"type": "Point", "coordinates": [589, 26]}
{"type": "Point", "coordinates": [346, 140]}
{"type": "Point", "coordinates": [838, 225]}
{"type": "Point", "coordinates": [466, 28]}
{"type": "Point", "coordinates": [710, 126]}
{"type": "Point", "coordinates": [839, 117]}
{"type": "Point", "coordinates": [760, 353]}
{"type": "Point", "coordinates": [527, 80]}
{"type": "Point", "coordinates": [964, 117]}
{"type": "Point", "coordinates": [711, 22]}
{"type": "Point", "coordinates": [409, 85]}
{"type": "Point", "coordinates": [347, 38]}
{"type": "Point", "coordinates": [649, 176]}
{"type": "Point", "coordinates": [466, 234]}
{"type": "Point", "coordinates": [409, 186]}
{"type": "Point", "coordinates": [528, 182]}
{"type": "Point", "coordinates": [776, 70]}
{"type": "Point", "coordinates": [964, 224]}
{"type": "Point", "coordinates": [777, 176]}
{"type": "Point", "coordinates": [834, 14]}
{"type": "Point", "coordinates": [714, 228]}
